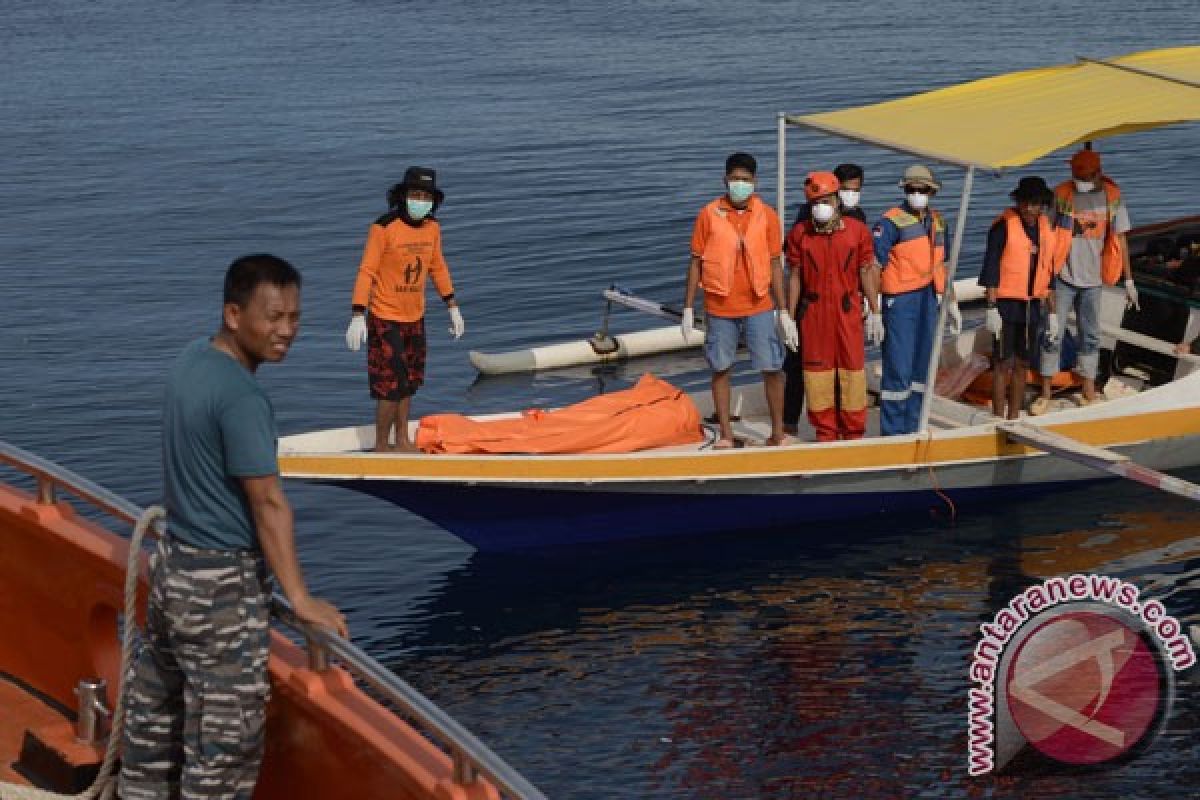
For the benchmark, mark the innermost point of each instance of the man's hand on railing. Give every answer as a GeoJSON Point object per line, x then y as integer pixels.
{"type": "Point", "coordinates": [322, 614]}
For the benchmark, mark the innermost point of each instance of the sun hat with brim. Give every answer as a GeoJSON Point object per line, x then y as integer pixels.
{"type": "Point", "coordinates": [919, 175]}
{"type": "Point", "coordinates": [422, 178]}
{"type": "Point", "coordinates": [1032, 187]}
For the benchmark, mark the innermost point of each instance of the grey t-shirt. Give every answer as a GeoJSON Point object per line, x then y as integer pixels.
{"type": "Point", "coordinates": [1087, 238]}
{"type": "Point", "coordinates": [218, 426]}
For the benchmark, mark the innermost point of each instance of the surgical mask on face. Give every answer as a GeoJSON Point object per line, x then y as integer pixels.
{"type": "Point", "coordinates": [740, 191]}
{"type": "Point", "coordinates": [822, 212]}
{"type": "Point", "coordinates": [1084, 186]}
{"type": "Point", "coordinates": [916, 200]}
{"type": "Point", "coordinates": [849, 197]}
{"type": "Point", "coordinates": [418, 209]}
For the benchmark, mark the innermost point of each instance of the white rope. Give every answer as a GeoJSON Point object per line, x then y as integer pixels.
{"type": "Point", "coordinates": [105, 784]}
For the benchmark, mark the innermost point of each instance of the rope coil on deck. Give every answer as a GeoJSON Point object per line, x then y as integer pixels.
{"type": "Point", "coordinates": [105, 784]}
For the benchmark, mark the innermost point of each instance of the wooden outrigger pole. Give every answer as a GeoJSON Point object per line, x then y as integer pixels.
{"type": "Point", "coordinates": [1097, 458]}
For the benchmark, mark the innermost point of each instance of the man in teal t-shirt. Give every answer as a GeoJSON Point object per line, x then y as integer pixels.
{"type": "Point", "coordinates": [218, 427]}
{"type": "Point", "coordinates": [197, 693]}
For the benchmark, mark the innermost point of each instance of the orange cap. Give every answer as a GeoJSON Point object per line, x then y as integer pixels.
{"type": "Point", "coordinates": [1085, 162]}
{"type": "Point", "coordinates": [819, 184]}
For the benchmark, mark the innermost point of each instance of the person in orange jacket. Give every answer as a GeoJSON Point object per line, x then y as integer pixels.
{"type": "Point", "coordinates": [910, 245]}
{"type": "Point", "coordinates": [737, 258]}
{"type": "Point", "coordinates": [403, 250]}
{"type": "Point", "coordinates": [1092, 220]}
{"type": "Point", "coordinates": [832, 262]}
{"type": "Point", "coordinates": [1018, 265]}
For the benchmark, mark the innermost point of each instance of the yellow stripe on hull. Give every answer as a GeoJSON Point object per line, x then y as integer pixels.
{"type": "Point", "coordinates": [945, 447]}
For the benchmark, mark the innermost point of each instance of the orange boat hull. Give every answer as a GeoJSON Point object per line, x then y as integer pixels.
{"type": "Point", "coordinates": [62, 579]}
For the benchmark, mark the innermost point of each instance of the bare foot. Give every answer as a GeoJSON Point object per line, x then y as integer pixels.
{"type": "Point", "coordinates": [382, 448]}
{"type": "Point", "coordinates": [778, 441]}
{"type": "Point", "coordinates": [405, 447]}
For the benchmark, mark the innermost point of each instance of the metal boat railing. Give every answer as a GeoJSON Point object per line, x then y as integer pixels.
{"type": "Point", "coordinates": [471, 757]}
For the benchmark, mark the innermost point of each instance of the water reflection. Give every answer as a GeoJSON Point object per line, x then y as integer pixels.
{"type": "Point", "coordinates": [830, 662]}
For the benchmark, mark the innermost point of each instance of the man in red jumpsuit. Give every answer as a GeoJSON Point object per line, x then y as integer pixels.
{"type": "Point", "coordinates": [832, 262]}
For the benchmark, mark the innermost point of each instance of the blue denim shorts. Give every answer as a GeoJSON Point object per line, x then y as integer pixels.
{"type": "Point", "coordinates": [721, 336]}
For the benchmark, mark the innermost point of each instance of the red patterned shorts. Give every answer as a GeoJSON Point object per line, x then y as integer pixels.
{"type": "Point", "coordinates": [395, 358]}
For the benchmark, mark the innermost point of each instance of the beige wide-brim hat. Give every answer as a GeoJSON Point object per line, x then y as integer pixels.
{"type": "Point", "coordinates": [919, 175]}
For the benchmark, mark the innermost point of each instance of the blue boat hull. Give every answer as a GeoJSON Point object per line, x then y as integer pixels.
{"type": "Point", "coordinates": [509, 518]}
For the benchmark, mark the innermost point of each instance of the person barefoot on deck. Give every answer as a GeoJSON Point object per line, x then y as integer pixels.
{"type": "Point", "coordinates": [737, 258]}
{"type": "Point", "coordinates": [403, 248]}
{"type": "Point", "coordinates": [1020, 261]}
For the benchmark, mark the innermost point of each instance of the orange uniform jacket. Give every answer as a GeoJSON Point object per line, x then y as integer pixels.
{"type": "Point", "coordinates": [736, 250]}
{"type": "Point", "coordinates": [395, 263]}
{"type": "Point", "coordinates": [1018, 252]}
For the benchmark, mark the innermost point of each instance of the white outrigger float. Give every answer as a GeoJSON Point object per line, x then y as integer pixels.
{"type": "Point", "coordinates": [1151, 421]}
{"type": "Point", "coordinates": [603, 348]}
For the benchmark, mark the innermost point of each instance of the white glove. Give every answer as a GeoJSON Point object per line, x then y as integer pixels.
{"type": "Point", "coordinates": [954, 316]}
{"type": "Point", "coordinates": [356, 334]}
{"type": "Point", "coordinates": [875, 327]}
{"type": "Point", "coordinates": [457, 326]}
{"type": "Point", "coordinates": [1051, 328]}
{"type": "Point", "coordinates": [787, 329]}
{"type": "Point", "coordinates": [687, 324]}
{"type": "Point", "coordinates": [1131, 294]}
{"type": "Point", "coordinates": [992, 322]}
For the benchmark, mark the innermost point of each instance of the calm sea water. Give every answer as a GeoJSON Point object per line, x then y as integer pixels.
{"type": "Point", "coordinates": [144, 144]}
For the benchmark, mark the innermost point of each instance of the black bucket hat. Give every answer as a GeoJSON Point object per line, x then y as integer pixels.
{"type": "Point", "coordinates": [422, 178]}
{"type": "Point", "coordinates": [1032, 187]}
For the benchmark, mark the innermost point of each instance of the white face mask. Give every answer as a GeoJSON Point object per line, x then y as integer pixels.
{"type": "Point", "coordinates": [917, 201]}
{"type": "Point", "coordinates": [1084, 186]}
{"type": "Point", "coordinates": [740, 191]}
{"type": "Point", "coordinates": [822, 212]}
{"type": "Point", "coordinates": [849, 197]}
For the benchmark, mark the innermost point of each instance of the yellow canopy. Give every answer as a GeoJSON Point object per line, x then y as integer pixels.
{"type": "Point", "coordinates": [1011, 120]}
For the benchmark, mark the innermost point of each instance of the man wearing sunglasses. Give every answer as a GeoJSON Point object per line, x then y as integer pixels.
{"type": "Point", "coordinates": [910, 243]}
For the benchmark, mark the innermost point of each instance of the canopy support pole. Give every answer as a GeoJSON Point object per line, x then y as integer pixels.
{"type": "Point", "coordinates": [781, 172]}
{"type": "Point", "coordinates": [960, 225]}
{"type": "Point", "coordinates": [1096, 458]}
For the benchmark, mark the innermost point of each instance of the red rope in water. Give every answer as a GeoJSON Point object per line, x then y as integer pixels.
{"type": "Point", "coordinates": [938, 490]}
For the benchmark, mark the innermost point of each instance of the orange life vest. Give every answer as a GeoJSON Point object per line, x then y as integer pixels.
{"type": "Point", "coordinates": [1014, 261]}
{"type": "Point", "coordinates": [918, 257]}
{"type": "Point", "coordinates": [720, 256]}
{"type": "Point", "coordinates": [1112, 260]}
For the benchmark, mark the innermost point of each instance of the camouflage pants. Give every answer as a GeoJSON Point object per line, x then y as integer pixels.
{"type": "Point", "coordinates": [198, 689]}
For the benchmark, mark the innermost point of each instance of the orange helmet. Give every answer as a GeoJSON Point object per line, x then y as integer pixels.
{"type": "Point", "coordinates": [819, 184]}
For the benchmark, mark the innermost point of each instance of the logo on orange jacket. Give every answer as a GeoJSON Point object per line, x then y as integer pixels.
{"type": "Point", "coordinates": [413, 271]}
